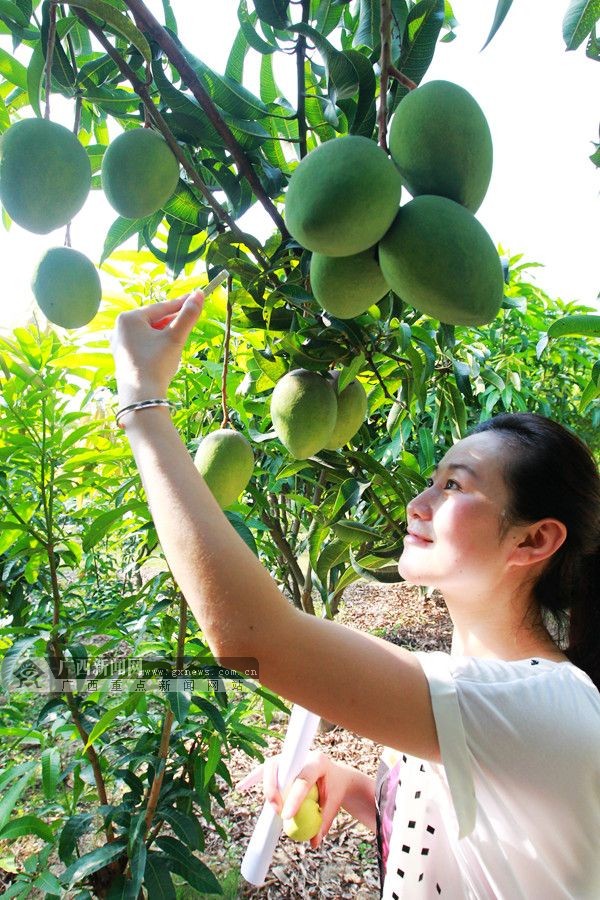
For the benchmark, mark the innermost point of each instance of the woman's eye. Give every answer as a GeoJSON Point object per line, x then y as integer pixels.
{"type": "Point", "coordinates": [451, 484]}
{"type": "Point", "coordinates": [429, 482]}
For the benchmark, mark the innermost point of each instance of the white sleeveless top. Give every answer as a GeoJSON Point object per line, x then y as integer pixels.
{"type": "Point", "coordinates": [513, 811]}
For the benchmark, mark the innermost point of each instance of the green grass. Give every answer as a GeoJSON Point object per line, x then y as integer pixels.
{"type": "Point", "coordinates": [230, 884]}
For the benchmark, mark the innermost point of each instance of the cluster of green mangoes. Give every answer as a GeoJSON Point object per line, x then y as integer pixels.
{"type": "Point", "coordinates": [343, 204]}
{"type": "Point", "coordinates": [310, 414]}
{"type": "Point", "coordinates": [45, 177]}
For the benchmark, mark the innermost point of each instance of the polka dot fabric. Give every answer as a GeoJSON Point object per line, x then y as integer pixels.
{"type": "Point", "coordinates": [419, 852]}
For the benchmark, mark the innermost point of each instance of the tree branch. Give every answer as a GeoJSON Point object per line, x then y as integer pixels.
{"type": "Point", "coordinates": [403, 79]}
{"type": "Point", "coordinates": [50, 56]}
{"type": "Point", "coordinates": [283, 546]}
{"type": "Point", "coordinates": [224, 402]}
{"type": "Point", "coordinates": [385, 61]}
{"type": "Point", "coordinates": [147, 22]}
{"type": "Point", "coordinates": [306, 596]}
{"type": "Point", "coordinates": [301, 82]}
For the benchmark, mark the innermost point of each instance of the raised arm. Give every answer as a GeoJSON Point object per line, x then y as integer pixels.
{"type": "Point", "coordinates": [359, 681]}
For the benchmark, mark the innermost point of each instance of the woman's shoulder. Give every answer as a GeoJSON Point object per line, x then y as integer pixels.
{"type": "Point", "coordinates": [535, 688]}
{"type": "Point", "coordinates": [484, 670]}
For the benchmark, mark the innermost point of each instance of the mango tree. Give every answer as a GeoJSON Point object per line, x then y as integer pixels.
{"type": "Point", "coordinates": [77, 537]}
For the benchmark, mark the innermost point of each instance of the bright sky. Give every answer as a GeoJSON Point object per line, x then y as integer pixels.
{"type": "Point", "coordinates": [540, 104]}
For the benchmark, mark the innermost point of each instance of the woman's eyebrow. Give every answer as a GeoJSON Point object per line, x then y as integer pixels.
{"type": "Point", "coordinates": [453, 466]}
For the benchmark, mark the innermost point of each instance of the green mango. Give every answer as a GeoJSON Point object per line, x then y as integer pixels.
{"type": "Point", "coordinates": [342, 197]}
{"type": "Point", "coordinates": [351, 411]}
{"type": "Point", "coordinates": [45, 174]}
{"type": "Point", "coordinates": [67, 288]}
{"type": "Point", "coordinates": [225, 460]}
{"type": "Point", "coordinates": [139, 173]}
{"type": "Point", "coordinates": [441, 143]}
{"type": "Point", "coordinates": [438, 258]}
{"type": "Point", "coordinates": [347, 286]}
{"type": "Point", "coordinates": [304, 410]}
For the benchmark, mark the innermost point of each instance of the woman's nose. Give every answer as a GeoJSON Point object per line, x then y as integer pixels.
{"type": "Point", "coordinates": [419, 507]}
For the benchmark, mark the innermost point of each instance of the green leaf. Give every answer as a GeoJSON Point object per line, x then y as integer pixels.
{"type": "Point", "coordinates": [232, 97]}
{"type": "Point", "coordinates": [14, 71]}
{"type": "Point", "coordinates": [236, 520]}
{"type": "Point", "coordinates": [274, 369]}
{"type": "Point", "coordinates": [29, 824]}
{"type": "Point", "coordinates": [364, 115]}
{"type": "Point", "coordinates": [11, 796]}
{"type": "Point", "coordinates": [14, 657]}
{"type": "Point", "coordinates": [213, 759]}
{"type": "Point", "coordinates": [122, 229]}
{"type": "Point", "coordinates": [351, 532]}
{"type": "Point", "coordinates": [92, 861]}
{"type": "Point", "coordinates": [342, 75]}
{"type": "Point", "coordinates": [14, 772]}
{"type": "Point", "coordinates": [50, 771]}
{"type": "Point", "coordinates": [180, 704]}
{"type": "Point", "coordinates": [185, 206]}
{"type": "Point", "coordinates": [73, 829]}
{"type": "Point", "coordinates": [186, 827]}
{"type": "Point", "coordinates": [587, 325]}
{"type": "Point", "coordinates": [117, 21]}
{"type": "Point", "coordinates": [349, 372]}
{"type": "Point", "coordinates": [170, 20]}
{"type": "Point", "coordinates": [579, 20]}
{"type": "Point", "coordinates": [268, 88]}
{"type": "Point", "coordinates": [157, 878]}
{"type": "Point", "coordinates": [49, 883]}
{"type": "Point", "coordinates": [10, 10]}
{"type": "Point", "coordinates": [501, 10]}
{"type": "Point", "coordinates": [180, 861]}
{"type": "Point", "coordinates": [186, 112]}
{"type": "Point", "coordinates": [388, 575]}
{"type": "Point", "coordinates": [212, 713]}
{"type": "Point", "coordinates": [104, 723]}
{"type": "Point", "coordinates": [589, 394]}
{"type": "Point", "coordinates": [101, 525]}
{"type": "Point", "coordinates": [331, 555]}
{"type": "Point", "coordinates": [273, 12]}
{"type": "Point", "coordinates": [62, 68]}
{"type": "Point", "coordinates": [369, 23]}
{"type": "Point", "coordinates": [254, 40]}
{"type": "Point", "coordinates": [423, 27]}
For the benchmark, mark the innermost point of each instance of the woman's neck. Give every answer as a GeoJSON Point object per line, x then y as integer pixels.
{"type": "Point", "coordinates": [499, 628]}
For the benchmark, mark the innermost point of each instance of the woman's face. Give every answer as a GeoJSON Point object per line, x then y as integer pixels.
{"type": "Point", "coordinates": [455, 539]}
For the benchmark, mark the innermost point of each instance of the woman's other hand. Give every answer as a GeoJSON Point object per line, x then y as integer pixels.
{"type": "Point", "coordinates": [147, 345]}
{"type": "Point", "coordinates": [319, 769]}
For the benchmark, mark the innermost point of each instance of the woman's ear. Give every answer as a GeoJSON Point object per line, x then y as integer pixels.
{"type": "Point", "coordinates": [539, 542]}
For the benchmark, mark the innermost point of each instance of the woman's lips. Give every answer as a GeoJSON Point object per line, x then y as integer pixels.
{"type": "Point", "coordinates": [416, 540]}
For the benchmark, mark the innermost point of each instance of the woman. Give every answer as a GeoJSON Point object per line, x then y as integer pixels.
{"type": "Point", "coordinates": [490, 784]}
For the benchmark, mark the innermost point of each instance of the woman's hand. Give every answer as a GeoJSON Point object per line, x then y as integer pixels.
{"type": "Point", "coordinates": [319, 769]}
{"type": "Point", "coordinates": [147, 345]}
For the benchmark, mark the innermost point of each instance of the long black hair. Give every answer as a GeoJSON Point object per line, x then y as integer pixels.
{"type": "Point", "coordinates": [551, 473]}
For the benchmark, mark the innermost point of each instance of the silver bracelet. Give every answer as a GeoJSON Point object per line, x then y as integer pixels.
{"type": "Point", "coordinates": [143, 404]}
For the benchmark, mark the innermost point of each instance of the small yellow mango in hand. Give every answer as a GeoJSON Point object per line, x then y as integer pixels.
{"type": "Point", "coordinates": [307, 821]}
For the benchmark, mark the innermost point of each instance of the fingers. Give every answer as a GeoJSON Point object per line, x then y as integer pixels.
{"type": "Point", "coordinates": [267, 773]}
{"type": "Point", "coordinates": [250, 779]}
{"type": "Point", "coordinates": [187, 317]}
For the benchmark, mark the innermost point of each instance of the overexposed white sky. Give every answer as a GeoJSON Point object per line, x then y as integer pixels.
{"type": "Point", "coordinates": [540, 102]}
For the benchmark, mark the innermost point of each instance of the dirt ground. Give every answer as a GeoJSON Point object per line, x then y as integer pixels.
{"type": "Point", "coordinates": [345, 865]}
